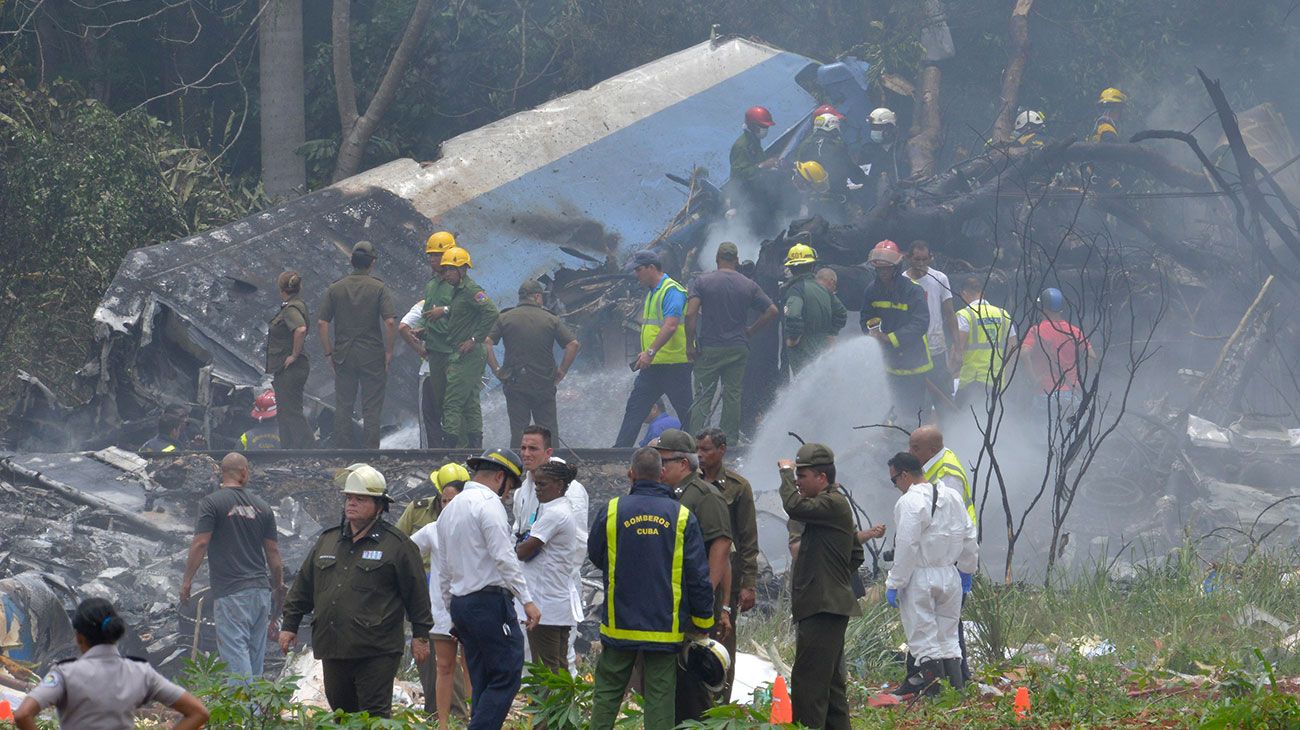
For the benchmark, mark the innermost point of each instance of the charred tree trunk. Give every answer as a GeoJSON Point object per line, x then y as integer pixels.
{"type": "Point", "coordinates": [1014, 72]}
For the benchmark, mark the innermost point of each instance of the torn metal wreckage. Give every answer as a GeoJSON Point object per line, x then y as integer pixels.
{"type": "Point", "coordinates": [563, 193]}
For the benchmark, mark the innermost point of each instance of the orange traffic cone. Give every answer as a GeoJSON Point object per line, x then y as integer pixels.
{"type": "Point", "coordinates": [6, 712]}
{"type": "Point", "coordinates": [1021, 705]}
{"type": "Point", "coordinates": [782, 710]}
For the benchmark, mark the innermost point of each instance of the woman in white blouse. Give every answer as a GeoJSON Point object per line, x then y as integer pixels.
{"type": "Point", "coordinates": [445, 646]}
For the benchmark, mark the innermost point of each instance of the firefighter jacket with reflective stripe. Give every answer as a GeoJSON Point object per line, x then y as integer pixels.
{"type": "Point", "coordinates": [656, 571]}
{"type": "Point", "coordinates": [265, 435]}
{"type": "Point", "coordinates": [904, 318]}
{"type": "Point", "coordinates": [987, 329]}
{"type": "Point", "coordinates": [948, 465]}
{"type": "Point", "coordinates": [652, 320]}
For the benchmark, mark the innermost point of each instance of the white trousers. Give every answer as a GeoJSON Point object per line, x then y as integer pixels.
{"type": "Point", "coordinates": [930, 607]}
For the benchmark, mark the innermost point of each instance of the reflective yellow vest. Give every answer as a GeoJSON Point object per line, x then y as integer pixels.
{"type": "Point", "coordinates": [652, 320]}
{"type": "Point", "coordinates": [949, 465]}
{"type": "Point", "coordinates": [986, 342]}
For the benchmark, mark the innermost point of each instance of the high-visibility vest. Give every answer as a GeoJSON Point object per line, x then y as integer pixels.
{"type": "Point", "coordinates": [949, 465]}
{"type": "Point", "coordinates": [652, 320]}
{"type": "Point", "coordinates": [986, 339]}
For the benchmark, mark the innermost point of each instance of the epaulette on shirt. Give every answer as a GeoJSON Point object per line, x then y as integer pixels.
{"type": "Point", "coordinates": [424, 503]}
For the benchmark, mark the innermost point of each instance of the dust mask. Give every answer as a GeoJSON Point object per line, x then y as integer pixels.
{"type": "Point", "coordinates": [877, 136]}
{"type": "Point", "coordinates": [761, 132]}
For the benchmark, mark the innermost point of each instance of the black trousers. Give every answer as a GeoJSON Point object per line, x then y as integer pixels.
{"type": "Point", "coordinates": [361, 685]}
{"type": "Point", "coordinates": [819, 690]}
{"type": "Point", "coordinates": [433, 390]}
{"type": "Point", "coordinates": [652, 383]}
{"type": "Point", "coordinates": [289, 384]}
{"type": "Point", "coordinates": [486, 624]}
{"type": "Point", "coordinates": [530, 399]}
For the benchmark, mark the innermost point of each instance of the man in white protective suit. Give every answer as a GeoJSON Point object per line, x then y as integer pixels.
{"type": "Point", "coordinates": [935, 555]}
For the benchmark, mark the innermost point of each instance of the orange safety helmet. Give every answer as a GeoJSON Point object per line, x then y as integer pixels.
{"type": "Point", "coordinates": [886, 252]}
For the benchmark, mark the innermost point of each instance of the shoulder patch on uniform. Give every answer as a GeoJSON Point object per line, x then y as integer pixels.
{"type": "Point", "coordinates": [422, 503]}
{"type": "Point", "coordinates": [52, 679]}
{"type": "Point", "coordinates": [480, 296]}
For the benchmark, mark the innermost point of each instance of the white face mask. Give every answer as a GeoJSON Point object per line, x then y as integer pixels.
{"type": "Point", "coordinates": [761, 132]}
{"type": "Point", "coordinates": [877, 136]}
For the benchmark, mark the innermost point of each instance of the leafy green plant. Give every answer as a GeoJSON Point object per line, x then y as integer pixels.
{"type": "Point", "coordinates": [563, 701]}
{"type": "Point", "coordinates": [735, 717]}
{"type": "Point", "coordinates": [1251, 706]}
{"type": "Point", "coordinates": [267, 704]}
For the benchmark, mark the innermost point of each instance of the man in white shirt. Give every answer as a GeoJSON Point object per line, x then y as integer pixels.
{"type": "Point", "coordinates": [547, 552]}
{"type": "Point", "coordinates": [943, 317]}
{"type": "Point", "coordinates": [480, 578]}
{"type": "Point", "coordinates": [411, 328]}
{"type": "Point", "coordinates": [535, 450]}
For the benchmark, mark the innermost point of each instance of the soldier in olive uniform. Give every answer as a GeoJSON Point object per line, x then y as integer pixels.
{"type": "Point", "coordinates": [682, 474]}
{"type": "Point", "coordinates": [365, 326]}
{"type": "Point", "coordinates": [821, 586]}
{"type": "Point", "coordinates": [437, 346]}
{"type": "Point", "coordinates": [813, 315]}
{"type": "Point", "coordinates": [711, 447]}
{"type": "Point", "coordinates": [529, 376]}
{"type": "Point", "coordinates": [360, 579]}
{"type": "Point", "coordinates": [286, 337]}
{"type": "Point", "coordinates": [471, 315]}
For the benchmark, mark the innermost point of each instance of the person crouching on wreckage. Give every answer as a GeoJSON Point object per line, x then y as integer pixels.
{"type": "Point", "coordinates": [935, 556]}
{"type": "Point", "coordinates": [362, 577]}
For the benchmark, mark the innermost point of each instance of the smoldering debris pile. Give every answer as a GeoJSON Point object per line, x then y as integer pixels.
{"type": "Point", "coordinates": [61, 542]}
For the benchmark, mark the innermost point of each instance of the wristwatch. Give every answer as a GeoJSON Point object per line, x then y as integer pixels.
{"type": "Point", "coordinates": [651, 351]}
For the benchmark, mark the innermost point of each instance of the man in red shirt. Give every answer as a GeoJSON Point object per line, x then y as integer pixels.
{"type": "Point", "coordinates": [1053, 348]}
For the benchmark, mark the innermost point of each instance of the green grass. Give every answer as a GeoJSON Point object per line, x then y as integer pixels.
{"type": "Point", "coordinates": [1181, 657]}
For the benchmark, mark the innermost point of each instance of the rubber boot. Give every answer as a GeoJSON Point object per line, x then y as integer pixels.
{"type": "Point", "coordinates": [924, 680]}
{"type": "Point", "coordinates": [952, 669]}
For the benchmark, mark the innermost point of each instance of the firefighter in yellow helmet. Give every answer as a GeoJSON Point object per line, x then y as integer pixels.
{"type": "Point", "coordinates": [437, 347]}
{"type": "Point", "coordinates": [812, 314]}
{"type": "Point", "coordinates": [1111, 103]}
{"type": "Point", "coordinates": [825, 146]}
{"type": "Point", "coordinates": [470, 317]}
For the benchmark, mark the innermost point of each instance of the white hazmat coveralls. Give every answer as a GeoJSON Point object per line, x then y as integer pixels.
{"type": "Point", "coordinates": [928, 552]}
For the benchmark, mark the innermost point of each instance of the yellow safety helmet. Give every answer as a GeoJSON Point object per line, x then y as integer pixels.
{"type": "Point", "coordinates": [440, 242]}
{"type": "Point", "coordinates": [1111, 95]}
{"type": "Point", "coordinates": [800, 253]}
{"type": "Point", "coordinates": [448, 473]}
{"type": "Point", "coordinates": [814, 173]}
{"type": "Point", "coordinates": [456, 256]}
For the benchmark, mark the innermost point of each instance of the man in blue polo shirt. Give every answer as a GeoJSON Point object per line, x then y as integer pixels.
{"type": "Point", "coordinates": [662, 367]}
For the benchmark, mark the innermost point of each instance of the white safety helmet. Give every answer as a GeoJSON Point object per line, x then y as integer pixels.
{"type": "Point", "coordinates": [883, 116]}
{"type": "Point", "coordinates": [828, 122]}
{"type": "Point", "coordinates": [1030, 118]}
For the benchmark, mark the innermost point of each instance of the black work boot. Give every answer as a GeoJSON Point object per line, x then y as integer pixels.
{"type": "Point", "coordinates": [475, 440]}
{"type": "Point", "coordinates": [956, 677]}
{"type": "Point", "coordinates": [925, 680]}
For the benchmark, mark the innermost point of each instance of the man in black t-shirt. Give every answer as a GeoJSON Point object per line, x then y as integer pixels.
{"type": "Point", "coordinates": [238, 529]}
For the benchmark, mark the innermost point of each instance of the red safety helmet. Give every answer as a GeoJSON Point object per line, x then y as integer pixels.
{"type": "Point", "coordinates": [827, 109]}
{"type": "Point", "coordinates": [885, 252]}
{"type": "Point", "coordinates": [759, 115]}
{"type": "Point", "coordinates": [264, 406]}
